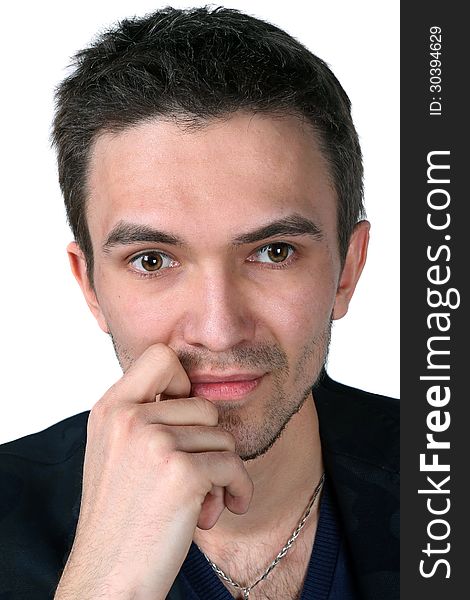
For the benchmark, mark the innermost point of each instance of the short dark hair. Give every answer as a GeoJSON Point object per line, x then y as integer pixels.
{"type": "Point", "coordinates": [194, 66]}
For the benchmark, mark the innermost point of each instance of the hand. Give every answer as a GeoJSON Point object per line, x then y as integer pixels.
{"type": "Point", "coordinates": [154, 470]}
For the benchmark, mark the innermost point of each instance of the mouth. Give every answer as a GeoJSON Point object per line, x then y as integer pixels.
{"type": "Point", "coordinates": [225, 387]}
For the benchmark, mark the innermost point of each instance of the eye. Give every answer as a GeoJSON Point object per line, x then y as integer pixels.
{"type": "Point", "coordinates": [276, 253]}
{"type": "Point", "coordinates": [151, 262]}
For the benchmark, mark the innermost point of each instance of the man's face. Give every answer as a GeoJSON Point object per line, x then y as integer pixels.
{"type": "Point", "coordinates": [184, 255]}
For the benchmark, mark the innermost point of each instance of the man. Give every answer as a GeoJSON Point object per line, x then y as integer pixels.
{"type": "Point", "coordinates": [213, 181]}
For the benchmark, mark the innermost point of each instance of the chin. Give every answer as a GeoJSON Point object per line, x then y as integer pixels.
{"type": "Point", "coordinates": [254, 437]}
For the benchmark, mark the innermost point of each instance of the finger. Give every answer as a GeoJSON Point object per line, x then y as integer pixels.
{"type": "Point", "coordinates": [236, 504]}
{"type": "Point", "coordinates": [212, 507]}
{"type": "Point", "coordinates": [157, 370]}
{"type": "Point", "coordinates": [226, 469]}
{"type": "Point", "coordinates": [192, 439]}
{"type": "Point", "coordinates": [181, 411]}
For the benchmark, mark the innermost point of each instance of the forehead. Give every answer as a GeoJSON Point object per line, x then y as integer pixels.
{"type": "Point", "coordinates": [219, 179]}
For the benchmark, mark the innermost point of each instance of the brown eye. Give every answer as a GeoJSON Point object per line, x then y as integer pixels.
{"type": "Point", "coordinates": [151, 262]}
{"type": "Point", "coordinates": [278, 252]}
{"type": "Point", "coordinates": [275, 253]}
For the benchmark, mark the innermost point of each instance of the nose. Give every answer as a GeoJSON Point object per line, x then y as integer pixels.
{"type": "Point", "coordinates": [220, 310]}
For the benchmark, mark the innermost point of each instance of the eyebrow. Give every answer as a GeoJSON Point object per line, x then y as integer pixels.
{"type": "Point", "coordinates": [291, 225]}
{"type": "Point", "coordinates": [127, 234]}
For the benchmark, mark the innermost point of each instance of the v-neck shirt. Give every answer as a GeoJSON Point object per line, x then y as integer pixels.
{"type": "Point", "coordinates": [329, 574]}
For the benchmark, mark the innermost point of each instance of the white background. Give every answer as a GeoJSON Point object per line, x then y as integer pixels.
{"type": "Point", "coordinates": [55, 361]}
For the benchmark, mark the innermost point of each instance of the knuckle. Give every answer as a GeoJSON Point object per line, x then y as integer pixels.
{"type": "Point", "coordinates": [156, 444]}
{"type": "Point", "coordinates": [130, 417]}
{"type": "Point", "coordinates": [229, 440]}
{"type": "Point", "coordinates": [115, 392]}
{"type": "Point", "coordinates": [237, 463]}
{"type": "Point", "coordinates": [179, 466]}
{"type": "Point", "coordinates": [226, 440]}
{"type": "Point", "coordinates": [122, 423]}
{"type": "Point", "coordinates": [117, 422]}
{"type": "Point", "coordinates": [208, 410]}
{"type": "Point", "coordinates": [182, 474]}
{"type": "Point", "coordinates": [161, 352]}
{"type": "Point", "coordinates": [107, 403]}
{"type": "Point", "coordinates": [161, 439]}
{"type": "Point", "coordinates": [99, 411]}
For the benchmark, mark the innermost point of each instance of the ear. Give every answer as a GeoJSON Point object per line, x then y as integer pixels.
{"type": "Point", "coordinates": [80, 272]}
{"type": "Point", "coordinates": [352, 269]}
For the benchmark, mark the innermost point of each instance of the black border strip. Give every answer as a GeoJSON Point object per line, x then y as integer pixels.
{"type": "Point", "coordinates": [433, 262]}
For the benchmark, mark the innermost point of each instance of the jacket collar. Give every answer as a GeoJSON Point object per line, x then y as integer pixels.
{"type": "Point", "coordinates": [359, 434]}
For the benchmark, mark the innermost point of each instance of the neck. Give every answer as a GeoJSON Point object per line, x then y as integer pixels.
{"type": "Point", "coordinates": [284, 480]}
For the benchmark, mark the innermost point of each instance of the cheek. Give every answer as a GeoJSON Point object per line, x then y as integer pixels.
{"type": "Point", "coordinates": [297, 313]}
{"type": "Point", "coordinates": [137, 320]}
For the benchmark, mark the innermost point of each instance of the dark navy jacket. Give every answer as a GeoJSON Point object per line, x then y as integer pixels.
{"type": "Point", "coordinates": [40, 487]}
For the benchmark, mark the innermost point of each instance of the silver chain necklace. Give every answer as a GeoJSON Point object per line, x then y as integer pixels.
{"type": "Point", "coordinates": [246, 590]}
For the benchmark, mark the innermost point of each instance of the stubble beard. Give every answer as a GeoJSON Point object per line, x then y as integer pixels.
{"type": "Point", "coordinates": [255, 432]}
{"type": "Point", "coordinates": [254, 439]}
